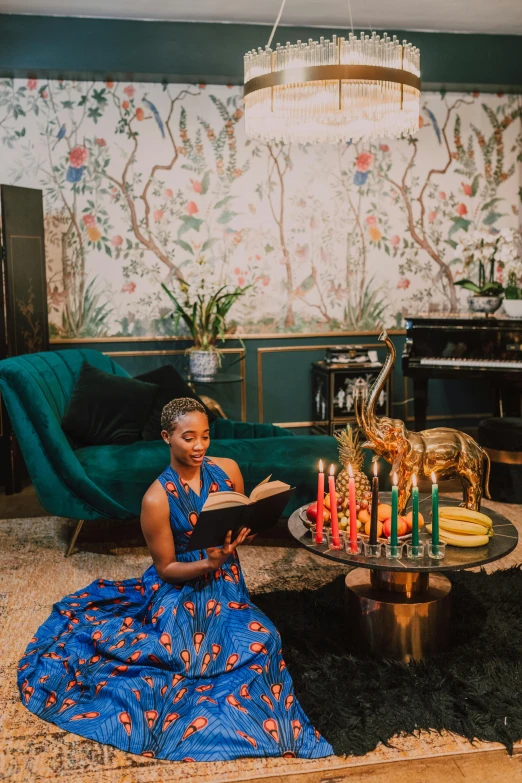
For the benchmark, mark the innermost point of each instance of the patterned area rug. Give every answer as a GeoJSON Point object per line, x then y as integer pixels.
{"type": "Point", "coordinates": [34, 574]}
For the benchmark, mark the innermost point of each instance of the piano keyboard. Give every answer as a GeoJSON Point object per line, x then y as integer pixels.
{"type": "Point", "coordinates": [471, 363]}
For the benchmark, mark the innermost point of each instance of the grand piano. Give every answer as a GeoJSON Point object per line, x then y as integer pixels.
{"type": "Point", "coordinates": [453, 347]}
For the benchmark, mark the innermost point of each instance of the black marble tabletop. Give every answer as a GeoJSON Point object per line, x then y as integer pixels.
{"type": "Point", "coordinates": [503, 542]}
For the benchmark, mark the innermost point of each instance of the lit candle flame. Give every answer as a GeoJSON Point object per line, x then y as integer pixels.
{"type": "Point", "coordinates": [350, 471]}
{"type": "Point", "coordinates": [434, 478]}
{"type": "Point", "coordinates": [321, 469]}
{"type": "Point", "coordinates": [395, 479]}
{"type": "Point", "coordinates": [332, 470]}
{"type": "Point", "coordinates": [375, 468]}
{"type": "Point", "coordinates": [414, 479]}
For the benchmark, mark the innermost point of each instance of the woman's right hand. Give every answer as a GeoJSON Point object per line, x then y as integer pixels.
{"type": "Point", "coordinates": [218, 555]}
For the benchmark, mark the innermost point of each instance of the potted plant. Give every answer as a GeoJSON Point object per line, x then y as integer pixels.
{"type": "Point", "coordinates": [489, 252]}
{"type": "Point", "coordinates": [513, 297]}
{"type": "Point", "coordinates": [205, 317]}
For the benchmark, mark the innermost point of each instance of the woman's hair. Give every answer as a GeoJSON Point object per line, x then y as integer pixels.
{"type": "Point", "coordinates": [175, 409]}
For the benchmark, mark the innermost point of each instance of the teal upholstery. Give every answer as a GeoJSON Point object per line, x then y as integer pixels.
{"type": "Point", "coordinates": [109, 481]}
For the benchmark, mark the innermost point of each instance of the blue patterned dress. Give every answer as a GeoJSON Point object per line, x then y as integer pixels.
{"type": "Point", "coordinates": [188, 672]}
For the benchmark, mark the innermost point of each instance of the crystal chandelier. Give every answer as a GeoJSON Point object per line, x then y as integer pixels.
{"type": "Point", "coordinates": [345, 89]}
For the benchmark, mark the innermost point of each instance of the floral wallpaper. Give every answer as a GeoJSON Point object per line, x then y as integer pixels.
{"type": "Point", "coordinates": [152, 183]}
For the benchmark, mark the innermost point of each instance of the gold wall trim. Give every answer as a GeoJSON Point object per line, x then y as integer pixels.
{"type": "Point", "coordinates": [254, 336]}
{"type": "Point", "coordinates": [287, 349]}
{"type": "Point", "coordinates": [290, 424]}
{"type": "Point", "coordinates": [180, 351]}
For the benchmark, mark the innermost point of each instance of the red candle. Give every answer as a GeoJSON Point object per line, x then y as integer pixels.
{"type": "Point", "coordinates": [336, 541]}
{"type": "Point", "coordinates": [320, 505]}
{"type": "Point", "coordinates": [353, 510]}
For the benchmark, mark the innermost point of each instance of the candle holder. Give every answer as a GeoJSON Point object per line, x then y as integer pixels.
{"type": "Point", "coordinates": [415, 551]}
{"type": "Point", "coordinates": [372, 550]}
{"type": "Point", "coordinates": [393, 551]}
{"type": "Point", "coordinates": [357, 547]}
{"type": "Point", "coordinates": [324, 535]}
{"type": "Point", "coordinates": [437, 551]}
{"type": "Point", "coordinates": [331, 544]}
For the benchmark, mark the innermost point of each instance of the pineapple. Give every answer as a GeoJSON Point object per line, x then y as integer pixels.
{"type": "Point", "coordinates": [350, 453]}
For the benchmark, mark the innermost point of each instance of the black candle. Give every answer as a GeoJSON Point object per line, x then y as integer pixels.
{"type": "Point", "coordinates": [375, 505]}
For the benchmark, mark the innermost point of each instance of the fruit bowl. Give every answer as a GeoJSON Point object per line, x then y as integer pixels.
{"type": "Point", "coordinates": [382, 540]}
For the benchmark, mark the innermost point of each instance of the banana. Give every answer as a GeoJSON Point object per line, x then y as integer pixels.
{"type": "Point", "coordinates": [465, 515]}
{"type": "Point", "coordinates": [464, 528]}
{"type": "Point", "coordinates": [453, 539]}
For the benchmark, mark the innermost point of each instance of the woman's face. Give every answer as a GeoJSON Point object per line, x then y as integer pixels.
{"type": "Point", "coordinates": [190, 438]}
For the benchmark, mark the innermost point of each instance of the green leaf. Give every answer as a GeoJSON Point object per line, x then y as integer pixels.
{"type": "Point", "coordinates": [189, 222]}
{"type": "Point", "coordinates": [469, 284]}
{"type": "Point", "coordinates": [491, 203]}
{"type": "Point", "coordinates": [459, 223]}
{"type": "Point", "coordinates": [184, 245]}
{"type": "Point", "coordinates": [223, 202]}
{"type": "Point", "coordinates": [205, 182]}
{"type": "Point", "coordinates": [207, 244]}
{"type": "Point", "coordinates": [268, 248]}
{"type": "Point", "coordinates": [492, 217]}
{"type": "Point", "coordinates": [451, 243]}
{"type": "Point", "coordinates": [226, 217]}
{"type": "Point", "coordinates": [474, 185]}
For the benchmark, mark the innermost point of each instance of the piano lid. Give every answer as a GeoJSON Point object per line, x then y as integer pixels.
{"type": "Point", "coordinates": [462, 337]}
{"type": "Point", "coordinates": [461, 320]}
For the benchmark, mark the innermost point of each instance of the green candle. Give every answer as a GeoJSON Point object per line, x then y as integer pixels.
{"type": "Point", "coordinates": [415, 513]}
{"type": "Point", "coordinates": [394, 540]}
{"type": "Point", "coordinates": [435, 514]}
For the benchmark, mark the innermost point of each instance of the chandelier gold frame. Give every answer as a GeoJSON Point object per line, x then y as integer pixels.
{"type": "Point", "coordinates": [340, 73]}
{"type": "Point", "coordinates": [344, 89]}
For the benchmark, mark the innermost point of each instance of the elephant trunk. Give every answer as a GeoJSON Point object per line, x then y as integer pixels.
{"type": "Point", "coordinates": [369, 421]}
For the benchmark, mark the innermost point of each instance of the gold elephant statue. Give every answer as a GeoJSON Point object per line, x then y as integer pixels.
{"type": "Point", "coordinates": [446, 452]}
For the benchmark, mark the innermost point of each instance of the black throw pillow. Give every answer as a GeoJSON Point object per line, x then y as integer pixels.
{"type": "Point", "coordinates": [106, 408]}
{"type": "Point", "coordinates": [171, 386]}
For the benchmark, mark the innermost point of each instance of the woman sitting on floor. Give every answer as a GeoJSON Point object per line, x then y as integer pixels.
{"type": "Point", "coordinates": [179, 664]}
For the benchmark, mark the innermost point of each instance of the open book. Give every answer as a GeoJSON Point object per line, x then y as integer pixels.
{"type": "Point", "coordinates": [224, 511]}
{"type": "Point", "coordinates": [228, 499]}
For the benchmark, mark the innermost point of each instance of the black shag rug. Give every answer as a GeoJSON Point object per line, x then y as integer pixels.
{"type": "Point", "coordinates": [474, 689]}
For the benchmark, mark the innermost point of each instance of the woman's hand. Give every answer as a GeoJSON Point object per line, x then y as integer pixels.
{"type": "Point", "coordinates": [217, 555]}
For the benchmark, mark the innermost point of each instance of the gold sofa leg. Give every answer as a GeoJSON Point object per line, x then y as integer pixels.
{"type": "Point", "coordinates": [74, 537]}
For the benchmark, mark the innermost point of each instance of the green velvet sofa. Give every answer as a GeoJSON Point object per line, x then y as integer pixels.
{"type": "Point", "coordinates": [94, 482]}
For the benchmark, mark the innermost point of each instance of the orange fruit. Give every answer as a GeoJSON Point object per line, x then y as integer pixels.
{"type": "Point", "coordinates": [379, 529]}
{"type": "Point", "coordinates": [364, 516]}
{"type": "Point", "coordinates": [409, 519]}
{"type": "Point", "coordinates": [383, 512]}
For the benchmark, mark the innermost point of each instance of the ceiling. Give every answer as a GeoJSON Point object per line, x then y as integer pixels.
{"type": "Point", "coordinates": [474, 16]}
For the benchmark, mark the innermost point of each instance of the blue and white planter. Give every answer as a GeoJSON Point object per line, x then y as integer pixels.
{"type": "Point", "coordinates": [203, 365]}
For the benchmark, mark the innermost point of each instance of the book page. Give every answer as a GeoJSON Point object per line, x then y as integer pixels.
{"type": "Point", "coordinates": [266, 489]}
{"type": "Point", "coordinates": [225, 500]}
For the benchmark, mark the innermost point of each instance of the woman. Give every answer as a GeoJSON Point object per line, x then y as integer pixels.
{"type": "Point", "coordinates": [179, 664]}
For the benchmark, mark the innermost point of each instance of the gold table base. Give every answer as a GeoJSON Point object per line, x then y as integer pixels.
{"type": "Point", "coordinates": [396, 614]}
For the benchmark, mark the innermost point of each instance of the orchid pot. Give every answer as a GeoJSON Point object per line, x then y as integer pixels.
{"type": "Point", "coordinates": [203, 364]}
{"type": "Point", "coordinates": [484, 304]}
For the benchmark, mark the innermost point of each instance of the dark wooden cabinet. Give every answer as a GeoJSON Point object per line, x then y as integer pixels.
{"type": "Point", "coordinates": [333, 393]}
{"type": "Point", "coordinates": [23, 302]}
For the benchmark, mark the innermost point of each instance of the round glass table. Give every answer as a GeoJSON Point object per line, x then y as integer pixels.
{"type": "Point", "coordinates": [400, 608]}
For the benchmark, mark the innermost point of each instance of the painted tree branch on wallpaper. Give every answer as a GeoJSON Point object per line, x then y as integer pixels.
{"type": "Point", "coordinates": [147, 184]}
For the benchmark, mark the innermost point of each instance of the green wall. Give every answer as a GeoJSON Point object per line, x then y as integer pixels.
{"type": "Point", "coordinates": [52, 47]}
{"type": "Point", "coordinates": [287, 392]}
